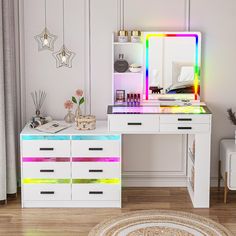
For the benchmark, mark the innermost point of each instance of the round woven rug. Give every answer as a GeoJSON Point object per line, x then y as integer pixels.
{"type": "Point", "coordinates": [155, 223]}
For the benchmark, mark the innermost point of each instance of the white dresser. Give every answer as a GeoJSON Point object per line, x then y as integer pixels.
{"type": "Point", "coordinates": [71, 169]}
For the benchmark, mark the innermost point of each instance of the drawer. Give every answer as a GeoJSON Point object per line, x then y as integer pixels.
{"type": "Point", "coordinates": [47, 192]}
{"type": "Point", "coordinates": [95, 192]}
{"type": "Point", "coordinates": [46, 170]}
{"type": "Point", "coordinates": [232, 181]}
{"type": "Point", "coordinates": [190, 119]}
{"type": "Point", "coordinates": [233, 163]}
{"type": "Point", "coordinates": [96, 170]}
{"type": "Point", "coordinates": [184, 128]}
{"type": "Point", "coordinates": [95, 148]}
{"type": "Point", "coordinates": [46, 148]}
{"type": "Point", "coordinates": [134, 123]}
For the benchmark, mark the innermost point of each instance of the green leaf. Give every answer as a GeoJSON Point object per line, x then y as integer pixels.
{"type": "Point", "coordinates": [74, 100]}
{"type": "Point", "coordinates": [81, 101]}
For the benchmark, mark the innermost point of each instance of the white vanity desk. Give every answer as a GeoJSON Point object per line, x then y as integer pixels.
{"type": "Point", "coordinates": [195, 122]}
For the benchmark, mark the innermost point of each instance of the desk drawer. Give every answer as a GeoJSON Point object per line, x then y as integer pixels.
{"type": "Point", "coordinates": [190, 119]}
{"type": "Point", "coordinates": [134, 123]}
{"type": "Point", "coordinates": [46, 148]}
{"type": "Point", "coordinates": [47, 192]}
{"type": "Point", "coordinates": [184, 128]}
{"type": "Point", "coordinates": [96, 192]}
{"type": "Point", "coordinates": [96, 170]}
{"type": "Point", "coordinates": [51, 170]}
{"type": "Point", "coordinates": [95, 148]}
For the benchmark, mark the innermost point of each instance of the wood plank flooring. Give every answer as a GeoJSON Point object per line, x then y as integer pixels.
{"type": "Point", "coordinates": [15, 221]}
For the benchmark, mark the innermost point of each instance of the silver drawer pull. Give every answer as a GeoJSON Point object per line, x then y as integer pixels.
{"type": "Point", "coordinates": [96, 171]}
{"type": "Point", "coordinates": [95, 149]}
{"type": "Point", "coordinates": [47, 192]}
{"type": "Point", "coordinates": [46, 149]}
{"type": "Point", "coordinates": [95, 192]}
{"type": "Point", "coordinates": [184, 127]}
{"type": "Point", "coordinates": [134, 123]}
{"type": "Point", "coordinates": [184, 119]}
{"type": "Point", "coordinates": [46, 171]}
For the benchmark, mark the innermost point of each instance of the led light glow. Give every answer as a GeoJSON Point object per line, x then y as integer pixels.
{"type": "Point", "coordinates": [96, 137]}
{"type": "Point", "coordinates": [45, 137]}
{"type": "Point", "coordinates": [46, 181]}
{"type": "Point", "coordinates": [197, 59]}
{"type": "Point", "coordinates": [46, 159]}
{"type": "Point", "coordinates": [96, 181]}
{"type": "Point", "coordinates": [95, 159]}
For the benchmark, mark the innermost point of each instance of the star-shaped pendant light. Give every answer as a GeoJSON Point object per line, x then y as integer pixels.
{"type": "Point", "coordinates": [45, 40]}
{"type": "Point", "coordinates": [64, 56]}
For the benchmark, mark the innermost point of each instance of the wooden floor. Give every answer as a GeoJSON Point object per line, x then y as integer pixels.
{"type": "Point", "coordinates": [15, 221]}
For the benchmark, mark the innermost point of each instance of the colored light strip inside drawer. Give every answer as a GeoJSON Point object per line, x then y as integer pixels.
{"type": "Point", "coordinates": [96, 181]}
{"type": "Point", "coordinates": [46, 181]}
{"type": "Point", "coordinates": [46, 159]}
{"type": "Point", "coordinates": [95, 159]}
{"type": "Point", "coordinates": [43, 137]}
{"type": "Point", "coordinates": [96, 137]}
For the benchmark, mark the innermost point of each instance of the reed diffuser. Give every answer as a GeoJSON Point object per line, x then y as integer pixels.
{"type": "Point", "coordinates": [38, 100]}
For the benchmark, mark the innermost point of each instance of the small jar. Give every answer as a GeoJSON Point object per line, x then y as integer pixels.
{"type": "Point", "coordinates": [135, 36]}
{"type": "Point", "coordinates": [123, 36]}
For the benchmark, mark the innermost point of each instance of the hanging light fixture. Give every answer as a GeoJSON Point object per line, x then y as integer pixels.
{"type": "Point", "coordinates": [45, 40]}
{"type": "Point", "coordinates": [64, 56]}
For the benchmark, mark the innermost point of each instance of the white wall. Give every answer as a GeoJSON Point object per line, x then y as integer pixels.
{"type": "Point", "coordinates": [216, 19]}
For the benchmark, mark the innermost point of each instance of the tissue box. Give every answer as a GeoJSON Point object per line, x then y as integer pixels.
{"type": "Point", "coordinates": [85, 122]}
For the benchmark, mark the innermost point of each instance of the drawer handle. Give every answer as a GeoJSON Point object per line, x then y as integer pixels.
{"type": "Point", "coordinates": [184, 127]}
{"type": "Point", "coordinates": [134, 123]}
{"type": "Point", "coordinates": [184, 119]}
{"type": "Point", "coordinates": [46, 171]}
{"type": "Point", "coordinates": [95, 192]}
{"type": "Point", "coordinates": [47, 192]}
{"type": "Point", "coordinates": [96, 171]}
{"type": "Point", "coordinates": [95, 149]}
{"type": "Point", "coordinates": [46, 149]}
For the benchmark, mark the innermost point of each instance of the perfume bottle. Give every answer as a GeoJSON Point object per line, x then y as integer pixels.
{"type": "Point", "coordinates": [121, 65]}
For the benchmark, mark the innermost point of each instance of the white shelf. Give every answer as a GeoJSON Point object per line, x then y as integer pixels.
{"type": "Point", "coordinates": [128, 73]}
{"type": "Point", "coordinates": [127, 43]}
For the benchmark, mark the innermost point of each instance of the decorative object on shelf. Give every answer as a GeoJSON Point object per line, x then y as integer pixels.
{"type": "Point", "coordinates": [85, 122]}
{"type": "Point", "coordinates": [45, 39]}
{"type": "Point", "coordinates": [64, 56]}
{"type": "Point", "coordinates": [136, 36]}
{"type": "Point", "coordinates": [123, 36]}
{"type": "Point", "coordinates": [38, 99]}
{"type": "Point", "coordinates": [121, 65]}
{"type": "Point", "coordinates": [78, 101]}
{"type": "Point", "coordinates": [37, 121]}
{"type": "Point", "coordinates": [133, 99]}
{"type": "Point", "coordinates": [155, 89]}
{"type": "Point", "coordinates": [120, 96]}
{"type": "Point", "coordinates": [135, 68]}
{"type": "Point", "coordinates": [70, 117]}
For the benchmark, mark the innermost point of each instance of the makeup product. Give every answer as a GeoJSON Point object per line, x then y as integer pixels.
{"type": "Point", "coordinates": [120, 96]}
{"type": "Point", "coordinates": [122, 36]}
{"type": "Point", "coordinates": [135, 68]}
{"type": "Point", "coordinates": [135, 36]}
{"type": "Point", "coordinates": [121, 65]}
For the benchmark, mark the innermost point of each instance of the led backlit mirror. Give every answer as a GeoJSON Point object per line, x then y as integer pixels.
{"type": "Point", "coordinates": [172, 65]}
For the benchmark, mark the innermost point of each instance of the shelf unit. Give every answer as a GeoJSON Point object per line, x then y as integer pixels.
{"type": "Point", "coordinates": [130, 82]}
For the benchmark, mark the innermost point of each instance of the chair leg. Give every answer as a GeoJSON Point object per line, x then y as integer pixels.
{"type": "Point", "coordinates": [225, 189]}
{"type": "Point", "coordinates": [219, 174]}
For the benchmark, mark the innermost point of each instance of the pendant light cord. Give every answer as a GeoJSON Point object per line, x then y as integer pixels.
{"type": "Point", "coordinates": [63, 16]}
{"type": "Point", "coordinates": [45, 13]}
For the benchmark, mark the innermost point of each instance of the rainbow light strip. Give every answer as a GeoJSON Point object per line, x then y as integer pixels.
{"type": "Point", "coordinates": [95, 159]}
{"type": "Point", "coordinates": [43, 137]}
{"type": "Point", "coordinates": [96, 137]}
{"type": "Point", "coordinates": [96, 181]}
{"type": "Point", "coordinates": [46, 159]}
{"type": "Point", "coordinates": [197, 61]}
{"type": "Point", "coordinates": [46, 181]}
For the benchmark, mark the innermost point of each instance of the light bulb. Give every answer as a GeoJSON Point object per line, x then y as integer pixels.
{"type": "Point", "coordinates": [63, 56]}
{"type": "Point", "coordinates": [45, 40]}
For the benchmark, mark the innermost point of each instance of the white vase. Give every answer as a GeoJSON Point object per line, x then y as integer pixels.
{"type": "Point", "coordinates": [69, 117]}
{"type": "Point", "coordinates": [78, 112]}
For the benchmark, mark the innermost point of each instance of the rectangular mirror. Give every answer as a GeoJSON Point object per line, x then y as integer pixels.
{"type": "Point", "coordinates": [172, 65]}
